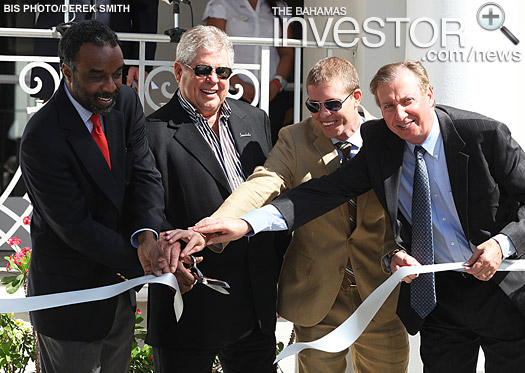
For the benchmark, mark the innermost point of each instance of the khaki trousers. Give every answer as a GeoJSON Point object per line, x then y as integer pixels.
{"type": "Point", "coordinates": [383, 347]}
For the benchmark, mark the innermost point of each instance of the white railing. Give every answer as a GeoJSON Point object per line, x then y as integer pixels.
{"type": "Point", "coordinates": [155, 78]}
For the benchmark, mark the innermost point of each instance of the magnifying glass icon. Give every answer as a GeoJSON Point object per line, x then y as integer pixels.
{"type": "Point", "coordinates": [491, 17]}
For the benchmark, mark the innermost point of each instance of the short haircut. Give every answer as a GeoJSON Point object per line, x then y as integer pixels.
{"type": "Point", "coordinates": [387, 73]}
{"type": "Point", "coordinates": [80, 33]}
{"type": "Point", "coordinates": [209, 38]}
{"type": "Point", "coordinates": [333, 69]}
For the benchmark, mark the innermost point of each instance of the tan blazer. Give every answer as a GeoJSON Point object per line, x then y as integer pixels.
{"type": "Point", "coordinates": [314, 263]}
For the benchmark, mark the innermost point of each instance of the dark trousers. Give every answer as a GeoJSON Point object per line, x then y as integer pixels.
{"type": "Point", "coordinates": [254, 353]}
{"type": "Point", "coordinates": [109, 355]}
{"type": "Point", "coordinates": [471, 314]}
{"type": "Point", "coordinates": [277, 112]}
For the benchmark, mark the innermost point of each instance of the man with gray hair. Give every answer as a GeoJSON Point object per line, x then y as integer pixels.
{"type": "Point", "coordinates": [204, 145]}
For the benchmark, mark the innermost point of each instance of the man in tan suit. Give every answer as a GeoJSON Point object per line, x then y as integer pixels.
{"type": "Point", "coordinates": [315, 291]}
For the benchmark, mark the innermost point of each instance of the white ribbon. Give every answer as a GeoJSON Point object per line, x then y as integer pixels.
{"type": "Point", "coordinates": [40, 302]}
{"type": "Point", "coordinates": [345, 334]}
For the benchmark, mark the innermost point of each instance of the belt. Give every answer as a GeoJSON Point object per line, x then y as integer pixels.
{"type": "Point", "coordinates": [348, 278]}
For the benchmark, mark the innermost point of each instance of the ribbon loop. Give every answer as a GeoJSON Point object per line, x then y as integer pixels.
{"type": "Point", "coordinates": [347, 333]}
{"type": "Point", "coordinates": [41, 302]}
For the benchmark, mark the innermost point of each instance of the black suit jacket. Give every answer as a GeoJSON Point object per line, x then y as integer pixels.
{"type": "Point", "coordinates": [84, 213]}
{"type": "Point", "coordinates": [195, 187]}
{"type": "Point", "coordinates": [142, 18]}
{"type": "Point", "coordinates": [487, 175]}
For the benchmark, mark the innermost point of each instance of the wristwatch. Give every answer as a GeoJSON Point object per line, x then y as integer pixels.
{"type": "Point", "coordinates": [391, 254]}
{"type": "Point", "coordinates": [281, 82]}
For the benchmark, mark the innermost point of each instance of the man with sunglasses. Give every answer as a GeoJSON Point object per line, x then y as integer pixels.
{"type": "Point", "coordinates": [204, 144]}
{"type": "Point", "coordinates": [453, 185]}
{"type": "Point", "coordinates": [334, 261]}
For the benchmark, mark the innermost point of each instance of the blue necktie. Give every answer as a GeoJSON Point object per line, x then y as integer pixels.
{"type": "Point", "coordinates": [422, 289]}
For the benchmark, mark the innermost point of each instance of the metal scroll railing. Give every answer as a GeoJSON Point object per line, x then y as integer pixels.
{"type": "Point", "coordinates": [160, 78]}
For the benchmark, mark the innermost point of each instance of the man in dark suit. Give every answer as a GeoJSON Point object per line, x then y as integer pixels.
{"type": "Point", "coordinates": [475, 198]}
{"type": "Point", "coordinates": [204, 145]}
{"type": "Point", "coordinates": [91, 193]}
{"type": "Point", "coordinates": [136, 16]}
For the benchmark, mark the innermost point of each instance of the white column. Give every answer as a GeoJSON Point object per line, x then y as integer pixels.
{"type": "Point", "coordinates": [471, 81]}
{"type": "Point", "coordinates": [369, 60]}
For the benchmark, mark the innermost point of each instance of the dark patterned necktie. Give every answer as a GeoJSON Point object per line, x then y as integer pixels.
{"type": "Point", "coordinates": [348, 278]}
{"type": "Point", "coordinates": [345, 148]}
{"type": "Point", "coordinates": [422, 288]}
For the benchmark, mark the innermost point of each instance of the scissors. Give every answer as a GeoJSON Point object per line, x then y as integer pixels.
{"type": "Point", "coordinates": [214, 284]}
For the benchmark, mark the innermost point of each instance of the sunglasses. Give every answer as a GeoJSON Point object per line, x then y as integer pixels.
{"type": "Point", "coordinates": [205, 70]}
{"type": "Point", "coordinates": [332, 105]}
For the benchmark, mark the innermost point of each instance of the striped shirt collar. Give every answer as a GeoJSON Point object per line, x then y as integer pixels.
{"type": "Point", "coordinates": [84, 113]}
{"type": "Point", "coordinates": [223, 146]}
{"type": "Point", "coordinates": [224, 111]}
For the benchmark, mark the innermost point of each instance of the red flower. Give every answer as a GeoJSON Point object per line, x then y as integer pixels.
{"type": "Point", "coordinates": [26, 220]}
{"type": "Point", "coordinates": [18, 257]}
{"type": "Point", "coordinates": [139, 311]}
{"type": "Point", "coordinates": [11, 257]}
{"type": "Point", "coordinates": [14, 241]}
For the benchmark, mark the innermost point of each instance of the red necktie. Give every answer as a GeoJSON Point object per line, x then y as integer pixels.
{"type": "Point", "coordinates": [99, 137]}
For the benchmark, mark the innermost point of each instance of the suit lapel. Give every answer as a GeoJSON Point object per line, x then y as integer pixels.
{"type": "Point", "coordinates": [115, 134]}
{"type": "Point", "coordinates": [330, 159]}
{"type": "Point", "coordinates": [241, 129]}
{"type": "Point", "coordinates": [325, 148]}
{"type": "Point", "coordinates": [457, 164]}
{"type": "Point", "coordinates": [86, 149]}
{"type": "Point", "coordinates": [187, 134]}
{"type": "Point", "coordinates": [391, 158]}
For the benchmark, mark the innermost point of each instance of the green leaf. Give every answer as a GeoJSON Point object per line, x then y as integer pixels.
{"type": "Point", "coordinates": [6, 280]}
{"type": "Point", "coordinates": [11, 290]}
{"type": "Point", "coordinates": [16, 267]}
{"type": "Point", "coordinates": [14, 285]}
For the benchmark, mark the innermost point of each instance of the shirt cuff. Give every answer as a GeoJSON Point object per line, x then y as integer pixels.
{"type": "Point", "coordinates": [134, 239]}
{"type": "Point", "coordinates": [507, 248]}
{"type": "Point", "coordinates": [267, 218]}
